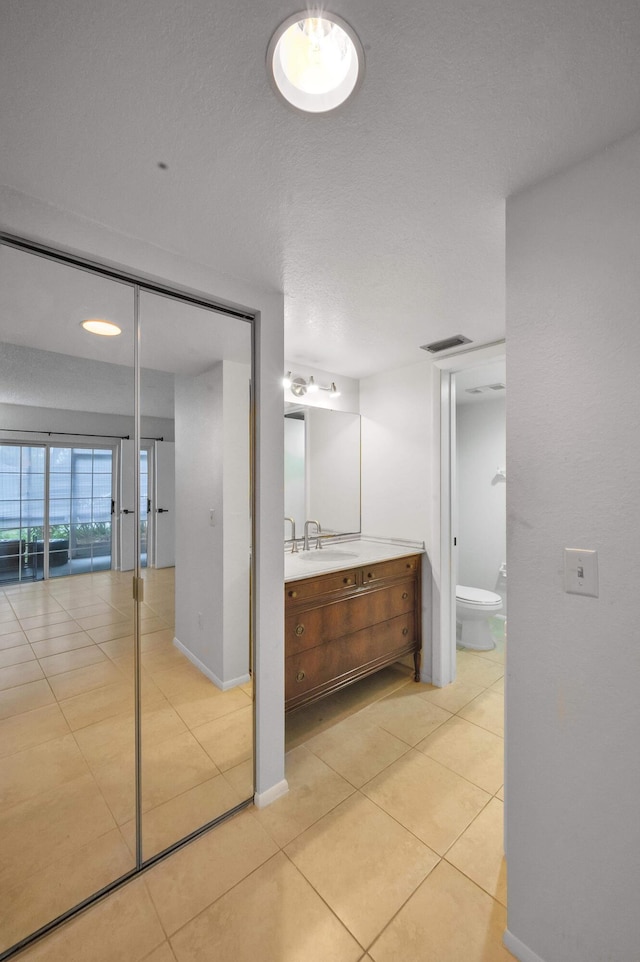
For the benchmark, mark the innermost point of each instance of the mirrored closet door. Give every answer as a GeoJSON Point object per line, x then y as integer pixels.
{"type": "Point", "coordinates": [126, 705]}
{"type": "Point", "coordinates": [197, 702]}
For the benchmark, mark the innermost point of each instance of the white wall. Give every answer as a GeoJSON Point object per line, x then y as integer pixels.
{"type": "Point", "coordinates": [25, 216]}
{"type": "Point", "coordinates": [332, 462]}
{"type": "Point", "coordinates": [294, 481]}
{"type": "Point", "coordinates": [481, 531]}
{"type": "Point", "coordinates": [236, 520]}
{"type": "Point", "coordinates": [397, 448]}
{"type": "Point", "coordinates": [18, 417]}
{"type": "Point", "coordinates": [212, 561]}
{"type": "Point", "coordinates": [48, 379]}
{"type": "Point", "coordinates": [573, 464]}
{"type": "Point", "coordinates": [199, 547]}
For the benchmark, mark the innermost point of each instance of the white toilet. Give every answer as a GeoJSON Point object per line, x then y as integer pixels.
{"type": "Point", "coordinates": [474, 607]}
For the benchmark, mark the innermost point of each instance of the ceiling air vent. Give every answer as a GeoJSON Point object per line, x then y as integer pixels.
{"type": "Point", "coordinates": [436, 346]}
{"type": "Point", "coordinates": [496, 387]}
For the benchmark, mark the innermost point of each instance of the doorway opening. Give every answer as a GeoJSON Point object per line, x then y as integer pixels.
{"type": "Point", "coordinates": [450, 369]}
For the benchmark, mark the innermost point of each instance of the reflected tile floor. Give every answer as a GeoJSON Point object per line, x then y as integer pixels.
{"type": "Point", "coordinates": [67, 741]}
{"type": "Point", "coordinates": [387, 847]}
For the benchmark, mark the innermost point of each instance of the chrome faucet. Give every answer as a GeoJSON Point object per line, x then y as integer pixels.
{"type": "Point", "coordinates": [306, 534]}
{"type": "Point", "coordinates": [294, 544]}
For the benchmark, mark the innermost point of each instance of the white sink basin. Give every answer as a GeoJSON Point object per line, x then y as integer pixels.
{"type": "Point", "coordinates": [326, 554]}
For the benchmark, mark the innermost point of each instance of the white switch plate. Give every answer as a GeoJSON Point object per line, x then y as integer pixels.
{"type": "Point", "coordinates": [581, 571]}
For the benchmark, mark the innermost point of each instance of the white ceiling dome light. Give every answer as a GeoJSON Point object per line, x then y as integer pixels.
{"type": "Point", "coordinates": [98, 325]}
{"type": "Point", "coordinates": [315, 62]}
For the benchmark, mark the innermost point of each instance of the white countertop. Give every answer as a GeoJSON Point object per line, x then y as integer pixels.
{"type": "Point", "coordinates": [337, 555]}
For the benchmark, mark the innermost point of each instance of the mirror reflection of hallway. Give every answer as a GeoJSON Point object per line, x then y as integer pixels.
{"type": "Point", "coordinates": [72, 639]}
{"type": "Point", "coordinates": [197, 699]}
{"type": "Point", "coordinates": [66, 399]}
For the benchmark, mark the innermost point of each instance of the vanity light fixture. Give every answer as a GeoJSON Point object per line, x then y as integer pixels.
{"type": "Point", "coordinates": [315, 61]}
{"type": "Point", "coordinates": [97, 325]}
{"type": "Point", "coordinates": [300, 386]}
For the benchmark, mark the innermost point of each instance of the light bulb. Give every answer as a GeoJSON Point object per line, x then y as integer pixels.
{"type": "Point", "coordinates": [333, 391]}
{"type": "Point", "coordinates": [315, 62]}
{"type": "Point", "coordinates": [286, 380]}
{"type": "Point", "coordinates": [312, 387]}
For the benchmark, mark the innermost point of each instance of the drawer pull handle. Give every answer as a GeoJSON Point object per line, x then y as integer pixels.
{"type": "Point", "coordinates": [346, 581]}
{"type": "Point", "coordinates": [405, 631]}
{"type": "Point", "coordinates": [409, 565]}
{"type": "Point", "coordinates": [405, 595]}
{"type": "Point", "coordinates": [299, 630]}
{"type": "Point", "coordinates": [293, 594]}
{"type": "Point", "coordinates": [370, 575]}
{"type": "Point", "coordinates": [300, 676]}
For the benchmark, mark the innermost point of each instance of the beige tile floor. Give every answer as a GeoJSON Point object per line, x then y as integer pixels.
{"type": "Point", "coordinates": [67, 741]}
{"type": "Point", "coordinates": [388, 847]}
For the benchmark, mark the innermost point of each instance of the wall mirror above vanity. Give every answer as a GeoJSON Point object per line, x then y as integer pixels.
{"type": "Point", "coordinates": [322, 469]}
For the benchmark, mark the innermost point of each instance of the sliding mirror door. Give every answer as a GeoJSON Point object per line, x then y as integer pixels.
{"type": "Point", "coordinates": [67, 723]}
{"type": "Point", "coordinates": [197, 712]}
{"type": "Point", "coordinates": [126, 701]}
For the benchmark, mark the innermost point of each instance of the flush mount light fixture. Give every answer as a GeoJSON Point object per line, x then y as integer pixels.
{"type": "Point", "coordinates": [97, 325]}
{"type": "Point", "coordinates": [315, 62]}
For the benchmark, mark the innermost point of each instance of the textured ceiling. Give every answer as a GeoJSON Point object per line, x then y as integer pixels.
{"type": "Point", "coordinates": [382, 223]}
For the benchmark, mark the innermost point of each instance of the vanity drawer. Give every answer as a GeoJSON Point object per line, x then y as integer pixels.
{"type": "Point", "coordinates": [309, 627]}
{"type": "Point", "coordinates": [305, 588]}
{"type": "Point", "coordinates": [397, 568]}
{"type": "Point", "coordinates": [346, 658]}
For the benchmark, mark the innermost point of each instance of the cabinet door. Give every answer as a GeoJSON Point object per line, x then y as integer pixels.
{"type": "Point", "coordinates": [312, 626]}
{"type": "Point", "coordinates": [339, 662]}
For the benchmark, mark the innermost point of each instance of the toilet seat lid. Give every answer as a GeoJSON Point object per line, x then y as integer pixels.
{"type": "Point", "coordinates": [477, 596]}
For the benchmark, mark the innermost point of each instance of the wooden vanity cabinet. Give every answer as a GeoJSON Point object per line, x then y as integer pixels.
{"type": "Point", "coordinates": [344, 625]}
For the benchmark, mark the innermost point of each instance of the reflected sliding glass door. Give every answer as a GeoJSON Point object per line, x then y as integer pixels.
{"type": "Point", "coordinates": [126, 699]}
{"type": "Point", "coordinates": [22, 508]}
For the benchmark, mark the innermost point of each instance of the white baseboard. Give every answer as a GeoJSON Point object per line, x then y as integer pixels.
{"type": "Point", "coordinates": [262, 799]}
{"type": "Point", "coordinates": [519, 949]}
{"type": "Point", "coordinates": [211, 675]}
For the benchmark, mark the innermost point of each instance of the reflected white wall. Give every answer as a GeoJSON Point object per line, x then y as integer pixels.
{"type": "Point", "coordinates": [481, 533]}
{"type": "Point", "coordinates": [212, 560]}
{"type": "Point", "coordinates": [294, 434]}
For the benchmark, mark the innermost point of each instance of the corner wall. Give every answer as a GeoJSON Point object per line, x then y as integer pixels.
{"type": "Point", "coordinates": [397, 450]}
{"type": "Point", "coordinates": [573, 464]}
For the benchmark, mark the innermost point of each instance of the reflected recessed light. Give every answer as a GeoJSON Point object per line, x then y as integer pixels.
{"type": "Point", "coordinates": [315, 63]}
{"type": "Point", "coordinates": [96, 325]}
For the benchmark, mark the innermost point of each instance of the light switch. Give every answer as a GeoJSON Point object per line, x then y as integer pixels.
{"type": "Point", "coordinates": [581, 571]}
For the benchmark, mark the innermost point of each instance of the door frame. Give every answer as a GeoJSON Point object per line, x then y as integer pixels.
{"type": "Point", "coordinates": [444, 650]}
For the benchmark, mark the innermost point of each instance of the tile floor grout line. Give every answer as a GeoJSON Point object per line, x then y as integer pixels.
{"type": "Point", "coordinates": [322, 898]}
{"type": "Point", "coordinates": [222, 894]}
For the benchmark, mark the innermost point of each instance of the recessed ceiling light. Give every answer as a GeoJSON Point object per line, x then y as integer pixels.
{"type": "Point", "coordinates": [315, 63]}
{"type": "Point", "coordinates": [96, 325]}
